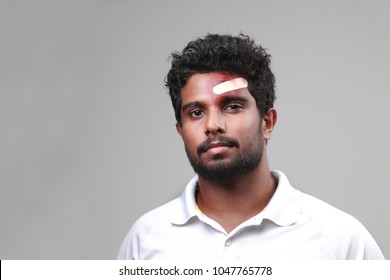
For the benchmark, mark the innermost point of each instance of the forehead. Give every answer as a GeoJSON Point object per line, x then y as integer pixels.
{"type": "Point", "coordinates": [208, 79]}
{"type": "Point", "coordinates": [200, 87]}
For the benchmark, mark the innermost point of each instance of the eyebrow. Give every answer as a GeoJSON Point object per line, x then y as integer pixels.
{"type": "Point", "coordinates": [191, 105]}
{"type": "Point", "coordinates": [225, 99]}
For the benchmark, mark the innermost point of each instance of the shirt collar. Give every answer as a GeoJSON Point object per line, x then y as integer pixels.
{"type": "Point", "coordinates": [285, 206]}
{"type": "Point", "coordinates": [283, 209]}
{"type": "Point", "coordinates": [186, 207]}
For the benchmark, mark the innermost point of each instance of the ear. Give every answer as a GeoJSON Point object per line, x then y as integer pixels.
{"type": "Point", "coordinates": [269, 122]}
{"type": "Point", "coordinates": [179, 129]}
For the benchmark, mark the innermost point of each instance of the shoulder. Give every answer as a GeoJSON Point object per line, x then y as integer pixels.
{"type": "Point", "coordinates": [348, 238]}
{"type": "Point", "coordinates": [154, 217]}
{"type": "Point", "coordinates": [159, 224]}
{"type": "Point", "coordinates": [323, 212]}
{"type": "Point", "coordinates": [144, 227]}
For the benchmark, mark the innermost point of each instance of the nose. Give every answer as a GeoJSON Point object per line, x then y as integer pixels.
{"type": "Point", "coordinates": [214, 123]}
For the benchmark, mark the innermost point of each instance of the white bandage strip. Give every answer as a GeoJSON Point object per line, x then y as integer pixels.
{"type": "Point", "coordinates": [230, 85]}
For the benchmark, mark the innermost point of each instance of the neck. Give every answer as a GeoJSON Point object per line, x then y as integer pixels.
{"type": "Point", "coordinates": [232, 202]}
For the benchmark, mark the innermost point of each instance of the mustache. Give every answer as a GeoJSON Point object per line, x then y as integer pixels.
{"type": "Point", "coordinates": [231, 142]}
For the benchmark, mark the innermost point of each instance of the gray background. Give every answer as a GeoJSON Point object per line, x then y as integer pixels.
{"type": "Point", "coordinates": [88, 141]}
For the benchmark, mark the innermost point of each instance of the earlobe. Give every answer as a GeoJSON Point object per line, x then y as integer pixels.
{"type": "Point", "coordinates": [269, 122]}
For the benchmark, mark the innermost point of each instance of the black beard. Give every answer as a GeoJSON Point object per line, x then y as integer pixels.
{"type": "Point", "coordinates": [222, 170]}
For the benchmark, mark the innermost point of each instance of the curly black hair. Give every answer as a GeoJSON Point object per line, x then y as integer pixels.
{"type": "Point", "coordinates": [238, 55]}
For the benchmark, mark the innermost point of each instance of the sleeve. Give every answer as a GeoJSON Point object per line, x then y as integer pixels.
{"type": "Point", "coordinates": [129, 249]}
{"type": "Point", "coordinates": [361, 245]}
{"type": "Point", "coordinates": [347, 237]}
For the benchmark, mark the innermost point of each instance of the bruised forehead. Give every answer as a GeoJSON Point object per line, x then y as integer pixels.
{"type": "Point", "coordinates": [215, 82]}
{"type": "Point", "coordinates": [213, 87]}
{"type": "Point", "coordinates": [230, 85]}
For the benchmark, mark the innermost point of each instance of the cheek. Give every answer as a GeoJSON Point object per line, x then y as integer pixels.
{"type": "Point", "coordinates": [248, 125]}
{"type": "Point", "coordinates": [249, 132]}
{"type": "Point", "coordinates": [190, 138]}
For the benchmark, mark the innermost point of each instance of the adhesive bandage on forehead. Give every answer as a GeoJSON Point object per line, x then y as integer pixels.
{"type": "Point", "coordinates": [230, 85]}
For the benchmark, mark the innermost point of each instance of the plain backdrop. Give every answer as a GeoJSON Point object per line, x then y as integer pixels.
{"type": "Point", "coordinates": [87, 131]}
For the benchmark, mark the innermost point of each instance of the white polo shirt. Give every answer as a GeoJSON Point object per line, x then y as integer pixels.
{"type": "Point", "coordinates": [294, 225]}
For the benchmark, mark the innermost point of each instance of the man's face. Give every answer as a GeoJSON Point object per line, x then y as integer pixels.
{"type": "Point", "coordinates": [222, 134]}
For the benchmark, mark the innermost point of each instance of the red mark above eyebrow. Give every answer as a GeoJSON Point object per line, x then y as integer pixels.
{"type": "Point", "coordinates": [230, 85]}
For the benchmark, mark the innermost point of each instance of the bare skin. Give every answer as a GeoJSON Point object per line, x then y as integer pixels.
{"type": "Point", "coordinates": [234, 114]}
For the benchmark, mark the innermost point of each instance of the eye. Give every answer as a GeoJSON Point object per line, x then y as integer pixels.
{"type": "Point", "coordinates": [233, 107]}
{"type": "Point", "coordinates": [196, 113]}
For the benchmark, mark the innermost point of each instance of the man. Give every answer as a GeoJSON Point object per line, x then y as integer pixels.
{"type": "Point", "coordinates": [222, 91]}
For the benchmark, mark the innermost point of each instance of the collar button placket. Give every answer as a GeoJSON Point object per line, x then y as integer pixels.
{"type": "Point", "coordinates": [228, 242]}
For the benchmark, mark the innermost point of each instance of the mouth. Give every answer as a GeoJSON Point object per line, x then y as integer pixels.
{"type": "Point", "coordinates": [217, 145]}
{"type": "Point", "coordinates": [217, 148]}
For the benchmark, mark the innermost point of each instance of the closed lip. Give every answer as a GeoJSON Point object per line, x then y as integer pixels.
{"type": "Point", "coordinates": [217, 144]}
